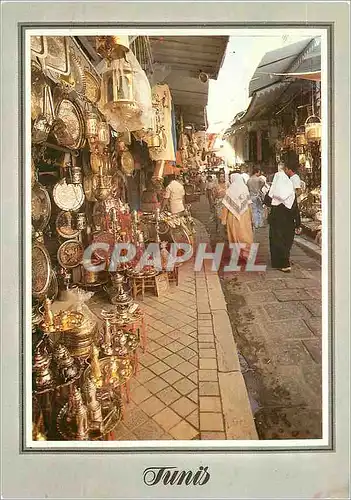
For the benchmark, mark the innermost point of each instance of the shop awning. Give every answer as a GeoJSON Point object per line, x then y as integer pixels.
{"type": "Point", "coordinates": [275, 64]}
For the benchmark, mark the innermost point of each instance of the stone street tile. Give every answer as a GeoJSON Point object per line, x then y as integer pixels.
{"type": "Point", "coordinates": [168, 395]}
{"type": "Point", "coordinates": [204, 323]}
{"type": "Point", "coordinates": [195, 361]}
{"type": "Point", "coordinates": [139, 394]}
{"type": "Point", "coordinates": [287, 352]}
{"type": "Point", "coordinates": [165, 340]}
{"type": "Point", "coordinates": [208, 345]}
{"type": "Point", "coordinates": [194, 346]}
{"type": "Point", "coordinates": [153, 346]}
{"type": "Point", "coordinates": [149, 431]}
{"type": "Point", "coordinates": [284, 310]}
{"type": "Point", "coordinates": [171, 376]}
{"type": "Point", "coordinates": [162, 353]}
{"type": "Point", "coordinates": [210, 404]}
{"type": "Point", "coordinates": [183, 431]}
{"type": "Point", "coordinates": [175, 334]}
{"type": "Point", "coordinates": [187, 320]}
{"type": "Point", "coordinates": [314, 306]}
{"type": "Point", "coordinates": [261, 297]}
{"type": "Point", "coordinates": [183, 406]}
{"type": "Point", "coordinates": [293, 329]}
{"type": "Point", "coordinates": [174, 360]}
{"type": "Point", "coordinates": [153, 334]}
{"type": "Point", "coordinates": [211, 421]}
{"type": "Point", "coordinates": [175, 346]}
{"type": "Point", "coordinates": [184, 386]}
{"type": "Point", "coordinates": [208, 364]}
{"type": "Point", "coordinates": [315, 293]}
{"type": "Point", "coordinates": [301, 424]}
{"type": "Point", "coordinates": [315, 325]}
{"type": "Point", "coordinates": [206, 316]}
{"type": "Point", "coordinates": [134, 418]}
{"type": "Point", "coordinates": [205, 330]}
{"type": "Point", "coordinates": [187, 353]}
{"type": "Point", "coordinates": [266, 284]}
{"type": "Point", "coordinates": [172, 323]}
{"type": "Point", "coordinates": [218, 436]}
{"type": "Point", "coordinates": [152, 406]}
{"type": "Point", "coordinates": [206, 338]}
{"type": "Point", "coordinates": [291, 294]}
{"type": "Point", "coordinates": [186, 368]}
{"type": "Point", "coordinates": [159, 367]}
{"type": "Point", "coordinates": [208, 375]}
{"type": "Point", "coordinates": [207, 353]}
{"type": "Point", "coordinates": [167, 419]}
{"type": "Point", "coordinates": [227, 356]}
{"type": "Point", "coordinates": [167, 325]}
{"type": "Point", "coordinates": [144, 375]}
{"type": "Point", "coordinates": [155, 385]}
{"type": "Point", "coordinates": [314, 347]}
{"type": "Point", "coordinates": [209, 388]}
{"type": "Point", "coordinates": [147, 359]}
{"type": "Point", "coordinates": [194, 377]}
{"type": "Point", "coordinates": [186, 339]}
{"type": "Point", "coordinates": [193, 419]}
{"type": "Point", "coordinates": [302, 283]}
{"type": "Point", "coordinates": [203, 307]}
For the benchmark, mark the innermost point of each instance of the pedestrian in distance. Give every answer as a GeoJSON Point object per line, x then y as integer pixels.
{"type": "Point", "coordinates": [283, 219]}
{"type": "Point", "coordinates": [255, 184]}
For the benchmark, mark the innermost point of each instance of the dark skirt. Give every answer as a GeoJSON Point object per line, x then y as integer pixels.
{"type": "Point", "coordinates": [281, 235]}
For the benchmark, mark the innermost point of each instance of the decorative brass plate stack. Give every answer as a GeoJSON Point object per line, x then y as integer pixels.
{"type": "Point", "coordinates": [64, 225]}
{"type": "Point", "coordinates": [69, 126]}
{"type": "Point", "coordinates": [68, 197]}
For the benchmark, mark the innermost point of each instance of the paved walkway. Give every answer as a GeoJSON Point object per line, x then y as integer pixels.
{"type": "Point", "coordinates": [276, 320]}
{"type": "Point", "coordinates": [189, 385]}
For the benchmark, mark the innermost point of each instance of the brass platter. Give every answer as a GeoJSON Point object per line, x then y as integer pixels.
{"type": "Point", "coordinates": [41, 270]}
{"type": "Point", "coordinates": [92, 87]}
{"type": "Point", "coordinates": [64, 225]}
{"type": "Point", "coordinates": [70, 254]}
{"type": "Point", "coordinates": [127, 163]}
{"type": "Point", "coordinates": [69, 127]}
{"type": "Point", "coordinates": [41, 207]}
{"type": "Point", "coordinates": [68, 197]}
{"type": "Point", "coordinates": [75, 80]}
{"type": "Point", "coordinates": [57, 58]}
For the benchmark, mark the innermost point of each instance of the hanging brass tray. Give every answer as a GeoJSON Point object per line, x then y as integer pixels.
{"type": "Point", "coordinates": [64, 225]}
{"type": "Point", "coordinates": [92, 87]}
{"type": "Point", "coordinates": [75, 80]}
{"type": "Point", "coordinates": [70, 254]}
{"type": "Point", "coordinates": [68, 197]}
{"type": "Point", "coordinates": [41, 207]}
{"type": "Point", "coordinates": [38, 45]}
{"type": "Point", "coordinates": [57, 58]}
{"type": "Point", "coordinates": [41, 270]}
{"type": "Point", "coordinates": [127, 163]}
{"type": "Point", "coordinates": [69, 126]}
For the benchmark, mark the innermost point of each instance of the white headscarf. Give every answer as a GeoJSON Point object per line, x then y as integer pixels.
{"type": "Point", "coordinates": [237, 196]}
{"type": "Point", "coordinates": [282, 190]}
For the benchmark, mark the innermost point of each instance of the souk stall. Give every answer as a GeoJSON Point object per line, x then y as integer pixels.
{"type": "Point", "coordinates": [95, 135]}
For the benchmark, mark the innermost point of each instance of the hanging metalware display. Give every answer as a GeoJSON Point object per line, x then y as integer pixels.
{"type": "Point", "coordinates": [68, 197]}
{"type": "Point", "coordinates": [57, 58]}
{"type": "Point", "coordinates": [65, 225]}
{"type": "Point", "coordinates": [127, 163]}
{"type": "Point", "coordinates": [70, 254]}
{"type": "Point", "coordinates": [44, 121]}
{"type": "Point", "coordinates": [69, 126]}
{"type": "Point", "coordinates": [40, 208]}
{"type": "Point", "coordinates": [41, 270]}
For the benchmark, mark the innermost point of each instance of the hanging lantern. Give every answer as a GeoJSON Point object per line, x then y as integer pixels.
{"type": "Point", "coordinates": [92, 132]}
{"type": "Point", "coordinates": [112, 47]}
{"type": "Point", "coordinates": [103, 131]}
{"type": "Point", "coordinates": [313, 128]}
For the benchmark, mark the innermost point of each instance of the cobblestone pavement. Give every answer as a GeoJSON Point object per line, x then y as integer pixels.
{"type": "Point", "coordinates": [189, 384]}
{"type": "Point", "coordinates": [276, 320]}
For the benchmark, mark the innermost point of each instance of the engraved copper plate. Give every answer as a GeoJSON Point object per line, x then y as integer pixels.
{"type": "Point", "coordinates": [69, 125]}
{"type": "Point", "coordinates": [41, 207]}
{"type": "Point", "coordinates": [41, 270]}
{"type": "Point", "coordinates": [104, 237]}
{"type": "Point", "coordinates": [64, 225]}
{"type": "Point", "coordinates": [57, 58]}
{"type": "Point", "coordinates": [127, 163]}
{"type": "Point", "coordinates": [68, 197]}
{"type": "Point", "coordinates": [92, 87]}
{"type": "Point", "coordinates": [70, 254]}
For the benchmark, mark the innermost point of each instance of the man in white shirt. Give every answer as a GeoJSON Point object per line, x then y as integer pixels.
{"type": "Point", "coordinates": [174, 196]}
{"type": "Point", "coordinates": [295, 179]}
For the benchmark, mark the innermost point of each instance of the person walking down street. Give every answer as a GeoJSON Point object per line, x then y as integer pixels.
{"type": "Point", "coordinates": [218, 194]}
{"type": "Point", "coordinates": [174, 196]}
{"type": "Point", "coordinates": [291, 172]}
{"type": "Point", "coordinates": [236, 214]}
{"type": "Point", "coordinates": [244, 173]}
{"type": "Point", "coordinates": [284, 220]}
{"type": "Point", "coordinates": [255, 184]}
{"type": "Point", "coordinates": [209, 190]}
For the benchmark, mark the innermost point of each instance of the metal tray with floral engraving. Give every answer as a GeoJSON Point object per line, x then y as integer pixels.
{"type": "Point", "coordinates": [127, 163]}
{"type": "Point", "coordinates": [70, 254]}
{"type": "Point", "coordinates": [68, 197]}
{"type": "Point", "coordinates": [41, 207]}
{"type": "Point", "coordinates": [57, 58]}
{"type": "Point", "coordinates": [69, 124]}
{"type": "Point", "coordinates": [41, 270]}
